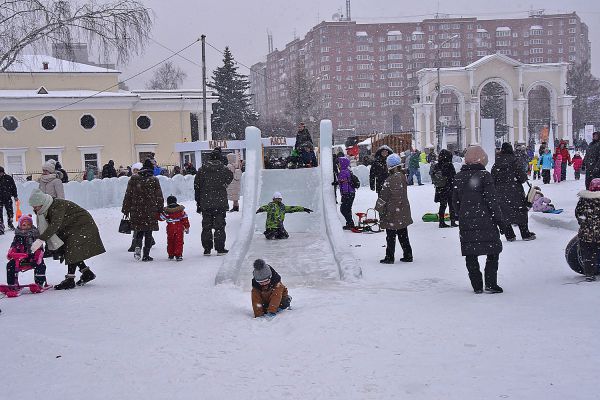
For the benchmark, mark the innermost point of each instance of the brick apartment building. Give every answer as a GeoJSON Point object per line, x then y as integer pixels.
{"type": "Point", "coordinates": [366, 73]}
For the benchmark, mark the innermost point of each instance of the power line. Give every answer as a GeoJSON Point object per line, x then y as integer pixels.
{"type": "Point", "coordinates": [112, 86]}
{"type": "Point", "coordinates": [174, 52]}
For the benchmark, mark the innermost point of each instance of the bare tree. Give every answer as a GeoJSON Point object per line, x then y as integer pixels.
{"type": "Point", "coordinates": [167, 77]}
{"type": "Point", "coordinates": [119, 26]}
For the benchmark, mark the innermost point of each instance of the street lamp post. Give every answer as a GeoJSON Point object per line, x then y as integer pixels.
{"type": "Point", "coordinates": [438, 101]}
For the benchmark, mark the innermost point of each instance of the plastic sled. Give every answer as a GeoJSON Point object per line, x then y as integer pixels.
{"type": "Point", "coordinates": [573, 257]}
{"type": "Point", "coordinates": [557, 211]}
{"type": "Point", "coordinates": [368, 222]}
{"type": "Point", "coordinates": [433, 217]}
{"type": "Point", "coordinates": [15, 290]}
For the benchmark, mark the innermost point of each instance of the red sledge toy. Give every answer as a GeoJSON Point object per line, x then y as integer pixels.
{"type": "Point", "coordinates": [15, 290]}
{"type": "Point", "coordinates": [366, 224]}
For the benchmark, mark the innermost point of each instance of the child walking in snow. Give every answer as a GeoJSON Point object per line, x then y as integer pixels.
{"type": "Point", "coordinates": [535, 167]}
{"type": "Point", "coordinates": [546, 163]}
{"type": "Point", "coordinates": [557, 168]}
{"type": "Point", "coordinates": [177, 223]}
{"type": "Point", "coordinates": [587, 213]}
{"type": "Point", "coordinates": [276, 211]}
{"type": "Point", "coordinates": [25, 235]}
{"type": "Point", "coordinates": [269, 295]}
{"type": "Point", "coordinates": [577, 163]}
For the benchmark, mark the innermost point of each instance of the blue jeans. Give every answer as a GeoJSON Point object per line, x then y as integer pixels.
{"type": "Point", "coordinates": [414, 171]}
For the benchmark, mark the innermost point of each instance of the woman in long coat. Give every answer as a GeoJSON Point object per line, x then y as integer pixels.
{"type": "Point", "coordinates": [234, 188]}
{"type": "Point", "coordinates": [479, 216]}
{"type": "Point", "coordinates": [143, 203]}
{"type": "Point", "coordinates": [509, 177]}
{"type": "Point", "coordinates": [442, 175]}
{"type": "Point", "coordinates": [64, 224]}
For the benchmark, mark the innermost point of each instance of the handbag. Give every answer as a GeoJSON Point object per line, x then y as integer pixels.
{"type": "Point", "coordinates": [125, 226]}
{"type": "Point", "coordinates": [530, 195]}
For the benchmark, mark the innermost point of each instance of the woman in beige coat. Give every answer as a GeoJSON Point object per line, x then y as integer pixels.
{"type": "Point", "coordinates": [394, 211]}
{"type": "Point", "coordinates": [50, 181]}
{"type": "Point", "coordinates": [233, 189]}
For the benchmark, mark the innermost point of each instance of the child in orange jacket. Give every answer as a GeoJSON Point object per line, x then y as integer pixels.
{"type": "Point", "coordinates": [177, 223]}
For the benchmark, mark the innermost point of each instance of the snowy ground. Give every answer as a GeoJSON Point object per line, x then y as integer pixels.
{"type": "Point", "coordinates": [162, 330]}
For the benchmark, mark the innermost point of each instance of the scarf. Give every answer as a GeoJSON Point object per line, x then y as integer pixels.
{"type": "Point", "coordinates": [53, 242]}
{"type": "Point", "coordinates": [28, 237]}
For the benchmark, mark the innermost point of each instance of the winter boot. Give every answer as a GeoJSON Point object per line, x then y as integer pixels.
{"type": "Point", "coordinates": [10, 225]}
{"type": "Point", "coordinates": [234, 209]}
{"type": "Point", "coordinates": [138, 253]}
{"type": "Point", "coordinates": [171, 258]}
{"type": "Point", "coordinates": [131, 248]}
{"type": "Point", "coordinates": [68, 283]}
{"type": "Point", "coordinates": [207, 252]}
{"type": "Point", "coordinates": [387, 260]}
{"type": "Point", "coordinates": [493, 289]}
{"type": "Point", "coordinates": [40, 280]}
{"type": "Point", "coordinates": [86, 276]}
{"type": "Point", "coordinates": [178, 258]}
{"type": "Point", "coordinates": [285, 303]}
{"type": "Point", "coordinates": [222, 252]}
{"type": "Point", "coordinates": [453, 224]}
{"type": "Point", "coordinates": [491, 278]}
{"type": "Point", "coordinates": [590, 278]}
{"type": "Point", "coordinates": [146, 256]}
{"type": "Point", "coordinates": [442, 223]}
{"type": "Point", "coordinates": [407, 258]}
{"type": "Point", "coordinates": [529, 236]}
{"type": "Point", "coordinates": [476, 281]}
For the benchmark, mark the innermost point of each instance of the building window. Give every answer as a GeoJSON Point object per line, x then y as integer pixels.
{"type": "Point", "coordinates": [87, 121]}
{"type": "Point", "coordinates": [10, 123]}
{"type": "Point", "coordinates": [90, 160]}
{"type": "Point", "coordinates": [49, 122]}
{"type": "Point", "coordinates": [144, 122]}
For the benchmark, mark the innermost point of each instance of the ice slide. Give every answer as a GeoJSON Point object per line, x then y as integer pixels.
{"type": "Point", "coordinates": [315, 253]}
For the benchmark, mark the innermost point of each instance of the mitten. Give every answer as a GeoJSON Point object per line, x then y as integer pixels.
{"type": "Point", "coordinates": [307, 210]}
{"type": "Point", "coordinates": [36, 245]}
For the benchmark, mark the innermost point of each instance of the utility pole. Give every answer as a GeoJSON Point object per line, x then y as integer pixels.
{"type": "Point", "coordinates": [204, 122]}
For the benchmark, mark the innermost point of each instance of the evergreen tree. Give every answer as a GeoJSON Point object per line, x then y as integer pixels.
{"type": "Point", "coordinates": [232, 112]}
{"type": "Point", "coordinates": [581, 83]}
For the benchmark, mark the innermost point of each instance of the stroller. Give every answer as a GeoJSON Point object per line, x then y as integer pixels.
{"type": "Point", "coordinates": [368, 222]}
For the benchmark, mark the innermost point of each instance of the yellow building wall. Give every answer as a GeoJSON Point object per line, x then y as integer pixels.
{"type": "Point", "coordinates": [60, 81]}
{"type": "Point", "coordinates": [168, 128]}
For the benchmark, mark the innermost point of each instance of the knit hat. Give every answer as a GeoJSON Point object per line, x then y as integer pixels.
{"type": "Point", "coordinates": [476, 155]}
{"type": "Point", "coordinates": [262, 271]}
{"type": "Point", "coordinates": [507, 148]}
{"type": "Point", "coordinates": [49, 166]}
{"type": "Point", "coordinates": [216, 154]}
{"type": "Point", "coordinates": [25, 217]}
{"type": "Point", "coordinates": [148, 165]}
{"type": "Point", "coordinates": [38, 198]}
{"type": "Point", "coordinates": [277, 195]}
{"type": "Point", "coordinates": [393, 160]}
{"type": "Point", "coordinates": [171, 200]}
{"type": "Point", "coordinates": [595, 185]}
{"type": "Point", "coordinates": [137, 165]}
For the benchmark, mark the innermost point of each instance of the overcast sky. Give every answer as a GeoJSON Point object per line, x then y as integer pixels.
{"type": "Point", "coordinates": [242, 25]}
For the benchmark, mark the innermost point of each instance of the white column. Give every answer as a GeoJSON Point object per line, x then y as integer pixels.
{"type": "Point", "coordinates": [418, 131]}
{"type": "Point", "coordinates": [520, 109]}
{"type": "Point", "coordinates": [473, 133]}
{"type": "Point", "coordinates": [564, 131]}
{"type": "Point", "coordinates": [428, 126]}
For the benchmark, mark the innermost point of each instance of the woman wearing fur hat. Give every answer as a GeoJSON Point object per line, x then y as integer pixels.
{"type": "Point", "coordinates": [394, 211]}
{"type": "Point", "coordinates": [479, 217]}
{"type": "Point", "coordinates": [587, 213]}
{"type": "Point", "coordinates": [269, 295]}
{"type": "Point", "coordinates": [143, 202]}
{"type": "Point", "coordinates": [50, 181]}
{"type": "Point", "coordinates": [68, 230]}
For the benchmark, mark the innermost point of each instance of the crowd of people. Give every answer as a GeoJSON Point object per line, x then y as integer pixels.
{"type": "Point", "coordinates": [483, 205]}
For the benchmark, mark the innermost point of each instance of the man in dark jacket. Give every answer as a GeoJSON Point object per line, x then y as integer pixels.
{"type": "Point", "coordinates": [592, 160]}
{"type": "Point", "coordinates": [414, 167]}
{"type": "Point", "coordinates": [58, 167]}
{"type": "Point", "coordinates": [442, 176]}
{"type": "Point", "coordinates": [479, 217]}
{"type": "Point", "coordinates": [379, 171]}
{"type": "Point", "coordinates": [509, 178]}
{"type": "Point", "coordinates": [210, 187]}
{"type": "Point", "coordinates": [108, 170]}
{"type": "Point", "coordinates": [302, 136]}
{"type": "Point", "coordinates": [8, 189]}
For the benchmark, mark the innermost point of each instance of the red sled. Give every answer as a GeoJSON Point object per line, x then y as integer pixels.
{"type": "Point", "coordinates": [15, 290]}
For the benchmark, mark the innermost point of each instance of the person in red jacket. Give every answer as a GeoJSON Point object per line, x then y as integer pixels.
{"type": "Point", "coordinates": [566, 158]}
{"type": "Point", "coordinates": [177, 222]}
{"type": "Point", "coordinates": [577, 163]}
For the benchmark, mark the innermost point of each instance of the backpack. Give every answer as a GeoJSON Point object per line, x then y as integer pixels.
{"type": "Point", "coordinates": [354, 181]}
{"type": "Point", "coordinates": [438, 179]}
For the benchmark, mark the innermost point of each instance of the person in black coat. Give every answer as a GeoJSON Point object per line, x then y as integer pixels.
{"type": "Point", "coordinates": [65, 177]}
{"type": "Point", "coordinates": [108, 170]}
{"type": "Point", "coordinates": [210, 187]}
{"type": "Point", "coordinates": [379, 171]}
{"type": "Point", "coordinates": [591, 162]}
{"type": "Point", "coordinates": [302, 136]}
{"type": "Point", "coordinates": [442, 175]}
{"type": "Point", "coordinates": [509, 177]}
{"type": "Point", "coordinates": [8, 189]}
{"type": "Point", "coordinates": [479, 216]}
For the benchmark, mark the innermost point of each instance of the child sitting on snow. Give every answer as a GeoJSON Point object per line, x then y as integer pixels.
{"type": "Point", "coordinates": [276, 211]}
{"type": "Point", "coordinates": [177, 223]}
{"type": "Point", "coordinates": [587, 213]}
{"type": "Point", "coordinates": [541, 203]}
{"type": "Point", "coordinates": [25, 235]}
{"type": "Point", "coordinates": [557, 168]}
{"type": "Point", "coordinates": [268, 293]}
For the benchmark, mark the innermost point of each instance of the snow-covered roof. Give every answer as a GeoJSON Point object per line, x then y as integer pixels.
{"type": "Point", "coordinates": [75, 94]}
{"type": "Point", "coordinates": [502, 28]}
{"type": "Point", "coordinates": [481, 30]}
{"type": "Point", "coordinates": [394, 33]}
{"type": "Point", "coordinates": [536, 27]}
{"type": "Point", "coordinates": [29, 63]}
{"type": "Point", "coordinates": [362, 33]}
{"type": "Point", "coordinates": [417, 33]}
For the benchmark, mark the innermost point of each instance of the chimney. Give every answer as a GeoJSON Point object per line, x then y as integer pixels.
{"type": "Point", "coordinates": [45, 65]}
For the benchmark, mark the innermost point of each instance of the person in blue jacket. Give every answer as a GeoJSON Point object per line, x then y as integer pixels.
{"type": "Point", "coordinates": [546, 163]}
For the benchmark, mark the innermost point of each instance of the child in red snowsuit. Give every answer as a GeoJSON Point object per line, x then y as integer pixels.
{"type": "Point", "coordinates": [177, 222]}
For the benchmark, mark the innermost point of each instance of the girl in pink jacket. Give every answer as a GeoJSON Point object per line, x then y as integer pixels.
{"type": "Point", "coordinates": [557, 168]}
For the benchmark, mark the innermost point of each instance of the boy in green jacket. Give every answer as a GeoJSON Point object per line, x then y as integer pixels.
{"type": "Point", "coordinates": [276, 211]}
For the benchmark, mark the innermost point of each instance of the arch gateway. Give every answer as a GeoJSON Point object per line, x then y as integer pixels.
{"type": "Point", "coordinates": [512, 79]}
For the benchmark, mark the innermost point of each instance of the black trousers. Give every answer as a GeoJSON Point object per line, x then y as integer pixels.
{"type": "Point", "coordinates": [563, 171]}
{"type": "Point", "coordinates": [577, 174]}
{"type": "Point", "coordinates": [442, 210]}
{"type": "Point", "coordinates": [213, 220]}
{"type": "Point", "coordinates": [402, 235]}
{"type": "Point", "coordinates": [590, 255]}
{"type": "Point", "coordinates": [491, 271]}
{"type": "Point", "coordinates": [546, 175]}
{"type": "Point", "coordinates": [71, 268]}
{"type": "Point", "coordinates": [12, 275]}
{"type": "Point", "coordinates": [536, 175]}
{"type": "Point", "coordinates": [9, 210]}
{"type": "Point", "coordinates": [509, 232]}
{"type": "Point", "coordinates": [346, 207]}
{"type": "Point", "coordinates": [146, 235]}
{"type": "Point", "coordinates": [276, 233]}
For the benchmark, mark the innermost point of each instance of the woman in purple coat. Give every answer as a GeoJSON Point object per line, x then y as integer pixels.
{"type": "Point", "coordinates": [347, 191]}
